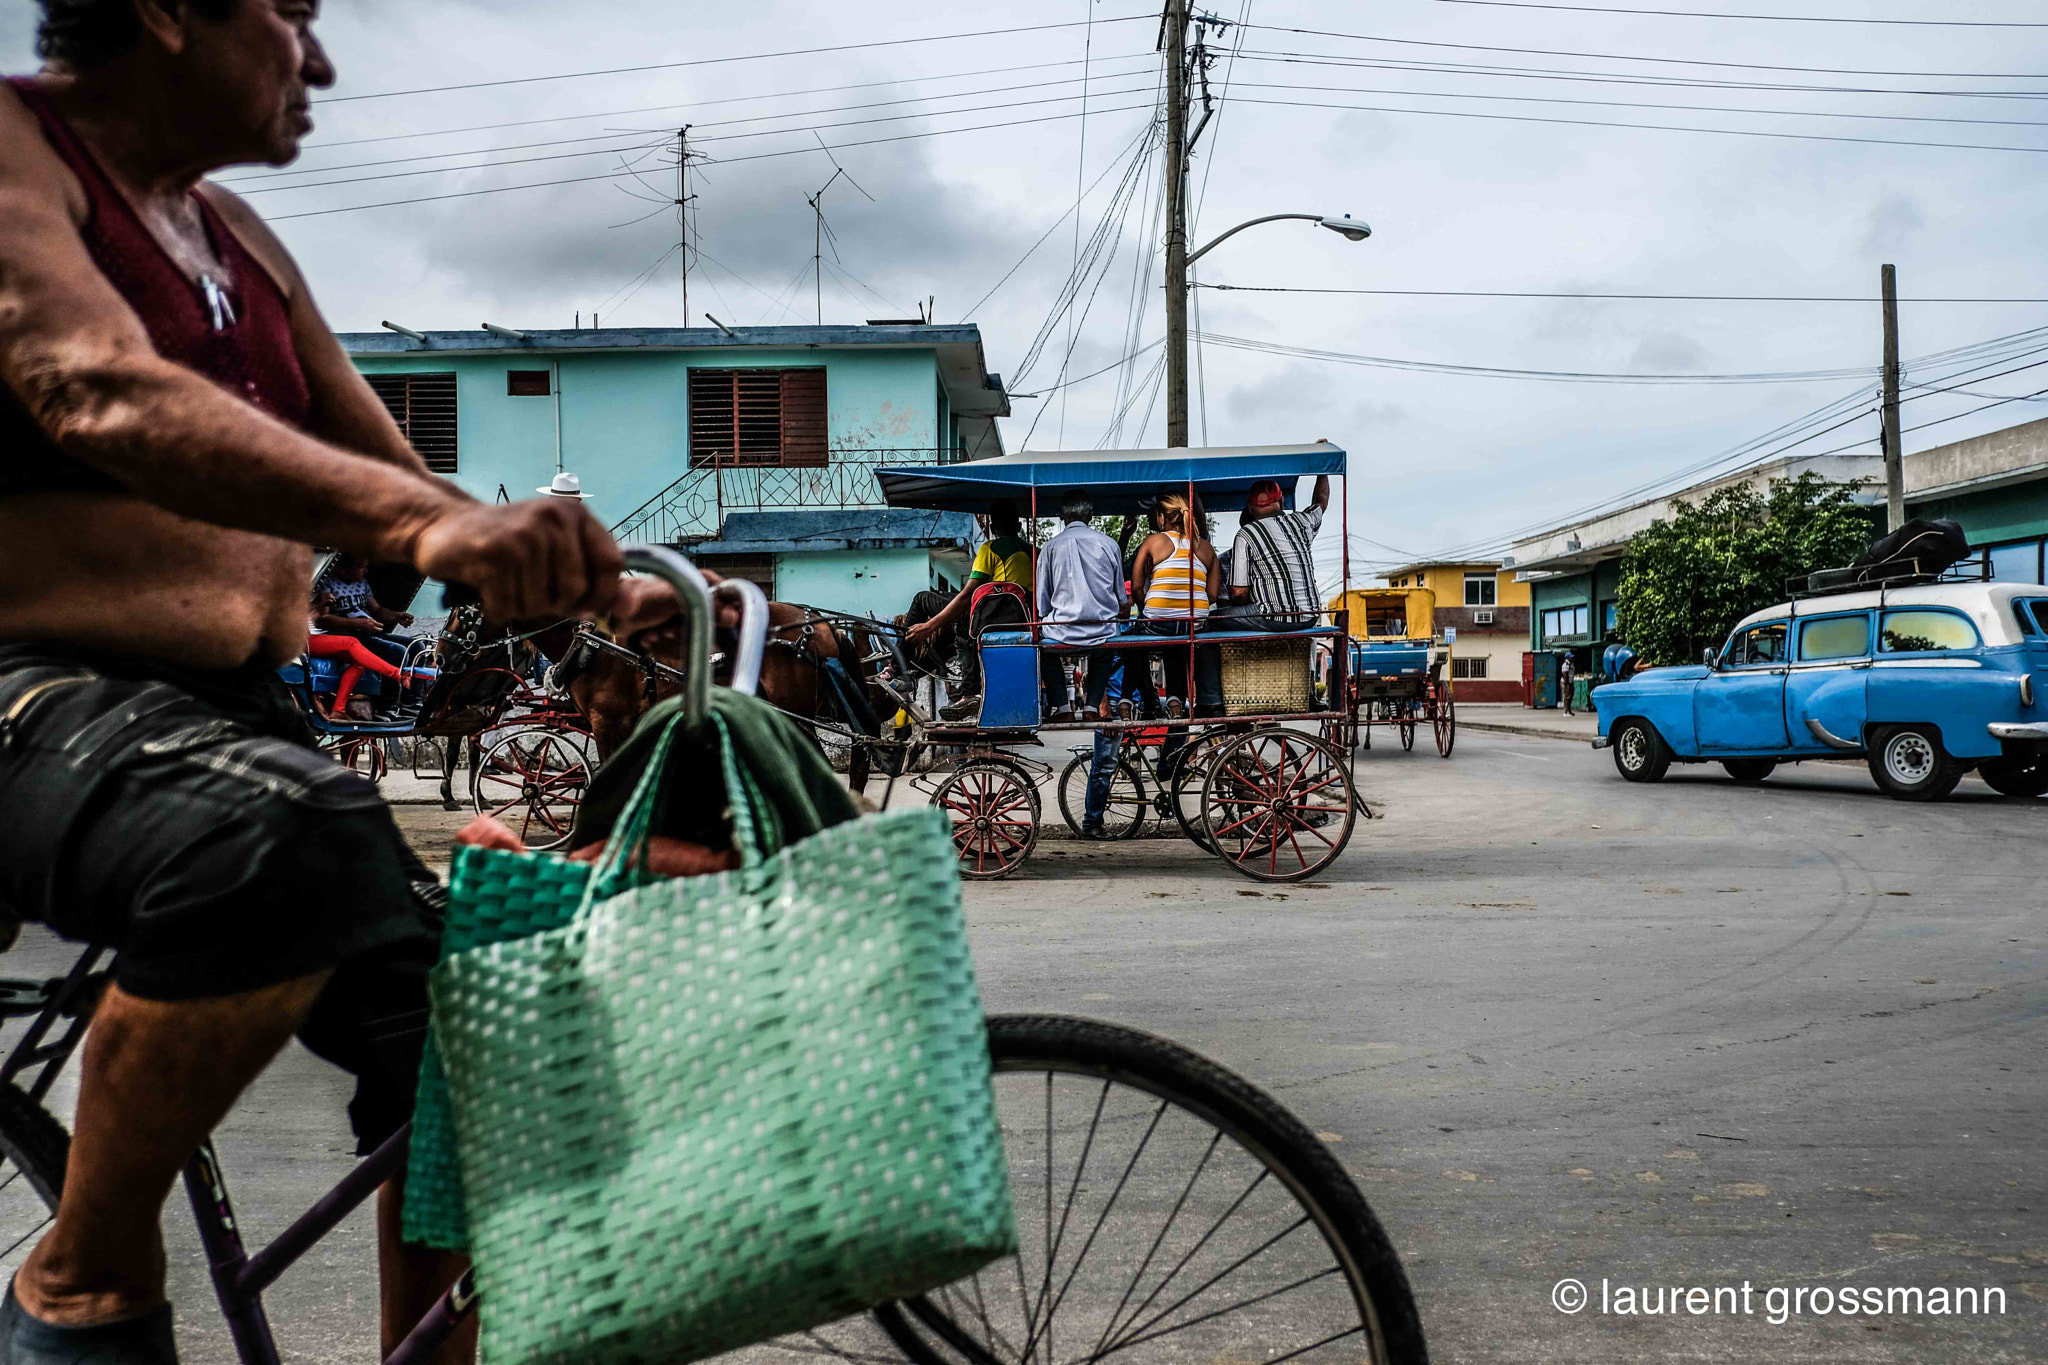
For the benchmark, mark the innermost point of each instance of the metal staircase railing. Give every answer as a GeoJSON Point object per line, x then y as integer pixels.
{"type": "Point", "coordinates": [694, 506]}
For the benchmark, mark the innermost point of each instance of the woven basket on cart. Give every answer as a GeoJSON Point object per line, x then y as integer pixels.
{"type": "Point", "coordinates": [1261, 677]}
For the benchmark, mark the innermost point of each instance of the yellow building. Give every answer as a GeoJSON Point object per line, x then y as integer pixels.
{"type": "Point", "coordinates": [1490, 612]}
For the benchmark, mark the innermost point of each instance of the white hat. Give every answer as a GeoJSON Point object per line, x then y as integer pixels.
{"type": "Point", "coordinates": [564, 486]}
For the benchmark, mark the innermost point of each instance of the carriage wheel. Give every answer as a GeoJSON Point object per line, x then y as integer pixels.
{"type": "Point", "coordinates": [1278, 805]}
{"type": "Point", "coordinates": [1408, 726]}
{"type": "Point", "coordinates": [1184, 785]}
{"type": "Point", "coordinates": [533, 780]}
{"type": "Point", "coordinates": [1445, 722]}
{"type": "Point", "coordinates": [1123, 817]}
{"type": "Point", "coordinates": [994, 809]}
{"type": "Point", "coordinates": [359, 754]}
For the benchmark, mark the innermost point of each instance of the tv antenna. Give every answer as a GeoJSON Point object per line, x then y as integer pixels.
{"type": "Point", "coordinates": [821, 232]}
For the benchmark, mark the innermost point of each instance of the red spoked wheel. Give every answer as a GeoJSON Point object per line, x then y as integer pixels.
{"type": "Point", "coordinates": [534, 780]}
{"type": "Point", "coordinates": [994, 809]}
{"type": "Point", "coordinates": [1445, 722]}
{"type": "Point", "coordinates": [360, 754]}
{"type": "Point", "coordinates": [1278, 805]}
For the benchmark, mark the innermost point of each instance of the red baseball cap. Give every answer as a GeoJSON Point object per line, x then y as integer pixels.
{"type": "Point", "coordinates": [1264, 493]}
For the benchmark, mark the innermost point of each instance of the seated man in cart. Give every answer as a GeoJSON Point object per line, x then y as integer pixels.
{"type": "Point", "coordinates": [998, 593]}
{"type": "Point", "coordinates": [1082, 597]}
{"type": "Point", "coordinates": [1272, 563]}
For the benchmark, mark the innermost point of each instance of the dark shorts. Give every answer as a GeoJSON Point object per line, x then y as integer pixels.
{"type": "Point", "coordinates": [185, 818]}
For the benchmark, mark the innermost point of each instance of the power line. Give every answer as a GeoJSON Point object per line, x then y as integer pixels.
{"type": "Point", "coordinates": [1643, 104]}
{"type": "Point", "coordinates": [669, 133]}
{"type": "Point", "coordinates": [1568, 294]}
{"type": "Point", "coordinates": [1663, 61]}
{"type": "Point", "coordinates": [1557, 376]}
{"type": "Point", "coordinates": [731, 160]}
{"type": "Point", "coordinates": [721, 61]}
{"type": "Point", "coordinates": [1648, 127]}
{"type": "Point", "coordinates": [700, 104]}
{"type": "Point", "coordinates": [1771, 18]}
{"type": "Point", "coordinates": [722, 137]}
{"type": "Point", "coordinates": [1580, 76]}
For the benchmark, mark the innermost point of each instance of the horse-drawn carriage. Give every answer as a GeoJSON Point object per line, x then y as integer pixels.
{"type": "Point", "coordinates": [1398, 664]}
{"type": "Point", "coordinates": [1264, 785]}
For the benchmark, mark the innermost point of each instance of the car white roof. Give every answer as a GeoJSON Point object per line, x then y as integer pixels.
{"type": "Point", "coordinates": [1987, 604]}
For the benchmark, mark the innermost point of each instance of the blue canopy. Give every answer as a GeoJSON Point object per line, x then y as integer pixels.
{"type": "Point", "coordinates": [1120, 481]}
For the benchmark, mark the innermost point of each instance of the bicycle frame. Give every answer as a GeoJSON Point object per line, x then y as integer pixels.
{"type": "Point", "coordinates": [239, 1278]}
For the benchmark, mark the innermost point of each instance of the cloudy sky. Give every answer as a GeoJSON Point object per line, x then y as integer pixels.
{"type": "Point", "coordinates": [1477, 140]}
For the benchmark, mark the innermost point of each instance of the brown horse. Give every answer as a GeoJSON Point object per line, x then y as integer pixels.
{"type": "Point", "coordinates": [614, 692]}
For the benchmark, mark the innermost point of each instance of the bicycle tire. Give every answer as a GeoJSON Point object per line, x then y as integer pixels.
{"type": "Point", "coordinates": [34, 1144]}
{"type": "Point", "coordinates": [1073, 793]}
{"type": "Point", "coordinates": [931, 1335]}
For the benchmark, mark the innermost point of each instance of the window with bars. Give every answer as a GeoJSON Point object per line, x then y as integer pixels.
{"type": "Point", "coordinates": [1474, 667]}
{"type": "Point", "coordinates": [757, 417]}
{"type": "Point", "coordinates": [423, 405]}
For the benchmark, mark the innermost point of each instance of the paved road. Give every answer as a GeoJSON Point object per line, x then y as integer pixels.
{"type": "Point", "coordinates": [1557, 1026]}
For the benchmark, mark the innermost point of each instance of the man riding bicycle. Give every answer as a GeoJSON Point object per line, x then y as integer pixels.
{"type": "Point", "coordinates": [178, 425]}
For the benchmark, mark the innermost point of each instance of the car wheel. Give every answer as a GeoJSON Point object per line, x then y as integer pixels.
{"type": "Point", "coordinates": [1749, 770]}
{"type": "Point", "coordinates": [2024, 777]}
{"type": "Point", "coordinates": [1909, 764]}
{"type": "Point", "coordinates": [1640, 753]}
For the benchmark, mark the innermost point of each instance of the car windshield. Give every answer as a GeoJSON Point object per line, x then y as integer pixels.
{"type": "Point", "coordinates": [1763, 644]}
{"type": "Point", "coordinates": [2038, 609]}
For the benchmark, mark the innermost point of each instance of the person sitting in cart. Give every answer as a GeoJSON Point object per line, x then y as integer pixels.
{"type": "Point", "coordinates": [326, 644]}
{"type": "Point", "coordinates": [1081, 598]}
{"type": "Point", "coordinates": [1272, 562]}
{"type": "Point", "coordinates": [985, 601]}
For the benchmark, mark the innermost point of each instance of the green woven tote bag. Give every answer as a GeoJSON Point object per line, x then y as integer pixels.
{"type": "Point", "coordinates": [712, 1110]}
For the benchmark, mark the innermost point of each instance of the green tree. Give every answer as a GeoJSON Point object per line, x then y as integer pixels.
{"type": "Point", "coordinates": [1687, 580]}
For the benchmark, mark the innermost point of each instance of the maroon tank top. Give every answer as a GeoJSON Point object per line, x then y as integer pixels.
{"type": "Point", "coordinates": [238, 334]}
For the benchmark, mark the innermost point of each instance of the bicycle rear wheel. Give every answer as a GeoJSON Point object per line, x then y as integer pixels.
{"type": "Point", "coordinates": [1168, 1211]}
{"type": "Point", "coordinates": [34, 1150]}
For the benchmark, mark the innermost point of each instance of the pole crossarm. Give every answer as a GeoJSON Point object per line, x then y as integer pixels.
{"type": "Point", "coordinates": [1253, 222]}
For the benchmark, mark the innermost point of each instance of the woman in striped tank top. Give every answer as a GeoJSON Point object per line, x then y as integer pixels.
{"type": "Point", "coordinates": [1174, 576]}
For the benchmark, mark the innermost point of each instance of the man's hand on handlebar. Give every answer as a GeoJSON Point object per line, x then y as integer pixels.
{"type": "Point", "coordinates": [529, 561]}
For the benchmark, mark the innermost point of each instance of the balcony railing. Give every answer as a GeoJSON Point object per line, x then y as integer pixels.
{"type": "Point", "coordinates": [695, 505]}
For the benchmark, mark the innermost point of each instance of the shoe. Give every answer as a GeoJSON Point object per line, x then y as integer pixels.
{"type": "Point", "coordinates": [1097, 835]}
{"type": "Point", "coordinates": [1062, 716]}
{"type": "Point", "coordinates": [141, 1340]}
{"type": "Point", "coordinates": [962, 708]}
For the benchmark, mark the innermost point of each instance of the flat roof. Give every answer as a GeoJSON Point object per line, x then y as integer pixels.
{"type": "Point", "coordinates": [959, 347]}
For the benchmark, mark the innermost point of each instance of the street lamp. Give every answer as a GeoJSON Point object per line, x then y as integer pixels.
{"type": "Point", "coordinates": [1351, 229]}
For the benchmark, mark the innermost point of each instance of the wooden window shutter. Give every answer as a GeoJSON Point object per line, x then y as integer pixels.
{"type": "Point", "coordinates": [423, 405]}
{"type": "Point", "coordinates": [803, 417]}
{"type": "Point", "coordinates": [757, 417]}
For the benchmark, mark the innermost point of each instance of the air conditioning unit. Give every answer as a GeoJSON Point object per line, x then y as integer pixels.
{"type": "Point", "coordinates": [1482, 618]}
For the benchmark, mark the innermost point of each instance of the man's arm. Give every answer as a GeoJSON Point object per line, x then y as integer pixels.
{"type": "Point", "coordinates": [1321, 500]}
{"type": "Point", "coordinates": [82, 363]}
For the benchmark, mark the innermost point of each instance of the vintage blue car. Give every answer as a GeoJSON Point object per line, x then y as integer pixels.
{"type": "Point", "coordinates": [1925, 682]}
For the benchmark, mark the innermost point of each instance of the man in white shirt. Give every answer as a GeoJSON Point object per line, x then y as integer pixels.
{"type": "Point", "coordinates": [1081, 595]}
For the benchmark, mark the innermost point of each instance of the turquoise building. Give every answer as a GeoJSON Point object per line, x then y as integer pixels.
{"type": "Point", "coordinates": [679, 435]}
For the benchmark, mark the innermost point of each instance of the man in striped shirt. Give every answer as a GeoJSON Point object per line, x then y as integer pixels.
{"type": "Point", "coordinates": [1272, 562]}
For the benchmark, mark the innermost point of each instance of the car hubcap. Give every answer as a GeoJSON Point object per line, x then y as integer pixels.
{"type": "Point", "coordinates": [1909, 759]}
{"type": "Point", "coordinates": [1632, 748]}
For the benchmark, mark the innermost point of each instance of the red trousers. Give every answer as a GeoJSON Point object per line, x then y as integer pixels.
{"type": "Point", "coordinates": [359, 656]}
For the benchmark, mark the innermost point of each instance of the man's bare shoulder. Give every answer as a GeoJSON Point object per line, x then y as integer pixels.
{"type": "Point", "coordinates": [31, 172]}
{"type": "Point", "coordinates": [255, 234]}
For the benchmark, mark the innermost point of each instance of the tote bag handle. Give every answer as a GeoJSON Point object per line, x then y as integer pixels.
{"type": "Point", "coordinates": [625, 853]}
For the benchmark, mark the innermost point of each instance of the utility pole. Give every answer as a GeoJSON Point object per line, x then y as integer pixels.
{"type": "Point", "coordinates": [1894, 459]}
{"type": "Point", "coordinates": [1176, 223]}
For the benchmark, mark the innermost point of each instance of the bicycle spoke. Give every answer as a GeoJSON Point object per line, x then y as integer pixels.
{"type": "Point", "coordinates": [1146, 1264]}
{"type": "Point", "coordinates": [1066, 1212]}
{"type": "Point", "coordinates": [1196, 1249]}
{"type": "Point", "coordinates": [1213, 1280]}
{"type": "Point", "coordinates": [1225, 1312]}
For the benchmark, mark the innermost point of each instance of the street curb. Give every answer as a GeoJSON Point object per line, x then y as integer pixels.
{"type": "Point", "coordinates": [1492, 729]}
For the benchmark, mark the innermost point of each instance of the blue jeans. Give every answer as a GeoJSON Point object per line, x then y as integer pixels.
{"type": "Point", "coordinates": [1101, 771]}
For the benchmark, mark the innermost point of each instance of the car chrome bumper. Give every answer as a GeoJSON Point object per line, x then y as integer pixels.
{"type": "Point", "coordinates": [1602, 742]}
{"type": "Point", "coordinates": [2011, 729]}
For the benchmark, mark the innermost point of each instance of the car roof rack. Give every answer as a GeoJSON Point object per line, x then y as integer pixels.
{"type": "Point", "coordinates": [1896, 573]}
